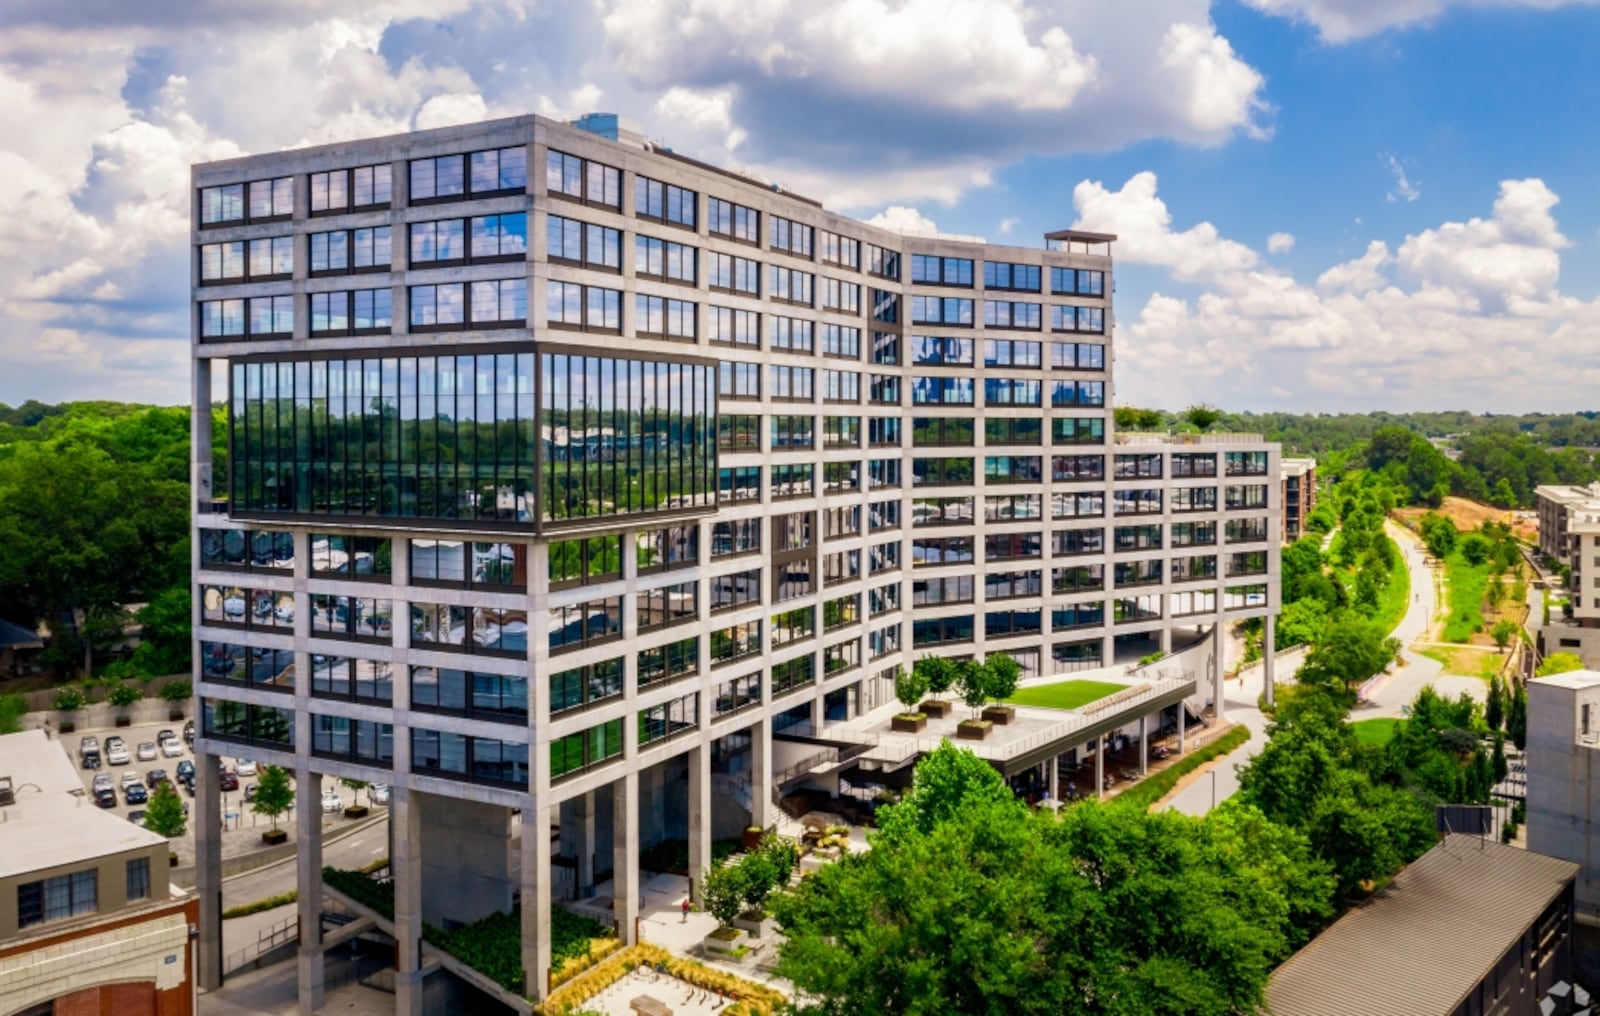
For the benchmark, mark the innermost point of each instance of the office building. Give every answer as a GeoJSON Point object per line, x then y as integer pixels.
{"type": "Point", "coordinates": [89, 922]}
{"type": "Point", "coordinates": [566, 475]}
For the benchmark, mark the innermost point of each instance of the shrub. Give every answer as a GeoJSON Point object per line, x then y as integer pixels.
{"type": "Point", "coordinates": [69, 700]}
{"type": "Point", "coordinates": [177, 691]}
{"type": "Point", "coordinates": [12, 709]}
{"type": "Point", "coordinates": [123, 694]}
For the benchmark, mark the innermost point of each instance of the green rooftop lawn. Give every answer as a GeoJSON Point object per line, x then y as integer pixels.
{"type": "Point", "coordinates": [1064, 694]}
{"type": "Point", "coordinates": [1375, 732]}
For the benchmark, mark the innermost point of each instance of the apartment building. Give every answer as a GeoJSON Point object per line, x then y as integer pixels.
{"type": "Point", "coordinates": [89, 922]}
{"type": "Point", "coordinates": [1569, 533]}
{"type": "Point", "coordinates": [1299, 482]}
{"type": "Point", "coordinates": [565, 475]}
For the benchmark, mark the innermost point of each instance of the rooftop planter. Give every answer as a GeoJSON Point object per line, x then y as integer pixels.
{"type": "Point", "coordinates": [1000, 714]}
{"type": "Point", "coordinates": [908, 723]}
{"type": "Point", "coordinates": [973, 730]}
{"type": "Point", "coordinates": [936, 708]}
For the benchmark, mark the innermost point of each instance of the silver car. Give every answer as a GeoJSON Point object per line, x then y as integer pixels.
{"type": "Point", "coordinates": [147, 751]}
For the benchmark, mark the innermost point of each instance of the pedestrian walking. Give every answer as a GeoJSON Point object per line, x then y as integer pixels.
{"type": "Point", "coordinates": [687, 906]}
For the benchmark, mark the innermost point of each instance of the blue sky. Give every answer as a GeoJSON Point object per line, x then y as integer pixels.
{"type": "Point", "coordinates": [1323, 204]}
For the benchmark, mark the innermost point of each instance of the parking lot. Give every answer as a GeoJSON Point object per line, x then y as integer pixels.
{"type": "Point", "coordinates": [236, 809]}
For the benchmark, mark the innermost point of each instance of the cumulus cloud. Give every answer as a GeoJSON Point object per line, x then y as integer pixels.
{"type": "Point", "coordinates": [1455, 316]}
{"type": "Point", "coordinates": [1339, 21]}
{"type": "Point", "coordinates": [904, 220]}
{"type": "Point", "coordinates": [1280, 243]}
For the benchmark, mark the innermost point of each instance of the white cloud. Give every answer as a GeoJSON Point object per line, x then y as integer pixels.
{"type": "Point", "coordinates": [1143, 226]}
{"type": "Point", "coordinates": [451, 109]}
{"type": "Point", "coordinates": [1280, 243]}
{"type": "Point", "coordinates": [1338, 21]}
{"type": "Point", "coordinates": [1008, 224]}
{"type": "Point", "coordinates": [1404, 189]}
{"type": "Point", "coordinates": [1223, 91]}
{"type": "Point", "coordinates": [903, 220]}
{"type": "Point", "coordinates": [1473, 318]}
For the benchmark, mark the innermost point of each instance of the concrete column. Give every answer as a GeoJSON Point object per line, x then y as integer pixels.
{"type": "Point", "coordinates": [1183, 724]}
{"type": "Point", "coordinates": [761, 772]}
{"type": "Point", "coordinates": [1053, 777]}
{"type": "Point", "coordinates": [577, 838]}
{"type": "Point", "coordinates": [1166, 642]}
{"type": "Point", "coordinates": [699, 818]}
{"type": "Point", "coordinates": [536, 902]}
{"type": "Point", "coordinates": [1144, 745]}
{"type": "Point", "coordinates": [308, 872]}
{"type": "Point", "coordinates": [817, 715]}
{"type": "Point", "coordinates": [625, 854]}
{"type": "Point", "coordinates": [1268, 664]}
{"type": "Point", "coordinates": [1219, 668]}
{"type": "Point", "coordinates": [405, 866]}
{"type": "Point", "coordinates": [1100, 768]}
{"type": "Point", "coordinates": [208, 868]}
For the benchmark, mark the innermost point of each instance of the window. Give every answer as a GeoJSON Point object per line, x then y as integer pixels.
{"type": "Point", "coordinates": [1194, 534]}
{"type": "Point", "coordinates": [583, 243]}
{"type": "Point", "coordinates": [668, 605]}
{"type": "Point", "coordinates": [934, 431]}
{"type": "Point", "coordinates": [589, 623]}
{"type": "Point", "coordinates": [794, 237]}
{"type": "Point", "coordinates": [1194, 499]}
{"type": "Point", "coordinates": [1011, 314]}
{"type": "Point", "coordinates": [257, 201]}
{"type": "Point", "coordinates": [945, 310]}
{"type": "Point", "coordinates": [885, 306]}
{"type": "Point", "coordinates": [1245, 463]}
{"type": "Point", "coordinates": [1190, 569]}
{"type": "Point", "coordinates": [1011, 545]}
{"type": "Point", "coordinates": [941, 511]}
{"type": "Point", "coordinates": [1078, 578]}
{"type": "Point", "coordinates": [841, 431]}
{"type": "Point", "coordinates": [457, 305]}
{"type": "Point", "coordinates": [941, 550]}
{"type": "Point", "coordinates": [884, 389]}
{"type": "Point", "coordinates": [663, 318]}
{"type": "Point", "coordinates": [663, 202]}
{"type": "Point", "coordinates": [1077, 356]}
{"type": "Point", "coordinates": [941, 630]}
{"type": "Point", "coordinates": [735, 642]}
{"type": "Point", "coordinates": [1013, 430]}
{"type": "Point", "coordinates": [739, 483]}
{"type": "Point", "coordinates": [585, 561]}
{"type": "Point", "coordinates": [1137, 573]}
{"type": "Point", "coordinates": [1011, 353]}
{"type": "Point", "coordinates": [342, 190]}
{"type": "Point", "coordinates": [736, 590]}
{"type": "Point", "coordinates": [883, 262]}
{"type": "Point", "coordinates": [941, 271]}
{"type": "Point", "coordinates": [221, 319]}
{"type": "Point", "coordinates": [1136, 502]}
{"type": "Point", "coordinates": [734, 327]}
{"type": "Point", "coordinates": [1078, 393]}
{"type": "Point", "coordinates": [885, 347]}
{"type": "Point", "coordinates": [669, 662]}
{"type": "Point", "coordinates": [739, 432]}
{"type": "Point", "coordinates": [1137, 467]}
{"type": "Point", "coordinates": [1009, 623]}
{"type": "Point", "coordinates": [469, 757]}
{"type": "Point", "coordinates": [1077, 281]}
{"type": "Point", "coordinates": [737, 380]}
{"type": "Point", "coordinates": [492, 238]}
{"type": "Point", "coordinates": [1078, 319]}
{"type": "Point", "coordinates": [358, 312]}
{"type": "Point", "coordinates": [1012, 507]}
{"type": "Point", "coordinates": [792, 433]}
{"type": "Point", "coordinates": [724, 218]}
{"type": "Point", "coordinates": [883, 431]}
{"type": "Point", "coordinates": [138, 869]}
{"type": "Point", "coordinates": [345, 677]}
{"type": "Point", "coordinates": [668, 549]}
{"type": "Point", "coordinates": [1192, 464]}
{"type": "Point", "coordinates": [55, 899]}
{"type": "Point", "coordinates": [1005, 275]}
{"type": "Point", "coordinates": [834, 294]}
{"type": "Point", "coordinates": [843, 521]}
{"type": "Point", "coordinates": [1011, 469]}
{"type": "Point", "coordinates": [948, 391]}
{"type": "Point", "coordinates": [663, 721]}
{"type": "Point", "coordinates": [487, 630]}
{"type": "Point", "coordinates": [790, 333]}
{"type": "Point", "coordinates": [1245, 496]}
{"type": "Point", "coordinates": [587, 748]}
{"type": "Point", "coordinates": [1002, 391]}
{"type": "Point", "coordinates": [841, 341]}
{"type": "Point", "coordinates": [265, 726]}
{"type": "Point", "coordinates": [663, 259]}
{"type": "Point", "coordinates": [1246, 530]}
{"type": "Point", "coordinates": [941, 352]}
{"type": "Point", "coordinates": [584, 686]}
{"type": "Point", "coordinates": [734, 695]}
{"type": "Point", "coordinates": [841, 386]}
{"type": "Point", "coordinates": [264, 260]}
{"type": "Point", "coordinates": [592, 182]}
{"type": "Point", "coordinates": [454, 177]}
{"type": "Point", "coordinates": [1080, 615]}
{"type": "Point", "coordinates": [571, 305]}
{"type": "Point", "coordinates": [883, 473]}
{"type": "Point", "coordinates": [1077, 468]}
{"type": "Point", "coordinates": [790, 285]}
{"type": "Point", "coordinates": [733, 274]}
{"type": "Point", "coordinates": [361, 618]}
{"type": "Point", "coordinates": [792, 479]}
{"type": "Point", "coordinates": [258, 317]}
{"type": "Point", "coordinates": [934, 472]}
{"type": "Point", "coordinates": [838, 250]}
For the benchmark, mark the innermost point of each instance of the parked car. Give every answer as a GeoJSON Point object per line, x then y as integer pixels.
{"type": "Point", "coordinates": [136, 817]}
{"type": "Point", "coordinates": [154, 778]}
{"type": "Point", "coordinates": [228, 780]}
{"type": "Point", "coordinates": [378, 793]}
{"type": "Point", "coordinates": [130, 778]}
{"type": "Point", "coordinates": [106, 798]}
{"type": "Point", "coordinates": [188, 733]}
{"type": "Point", "coordinates": [163, 734]}
{"type": "Point", "coordinates": [135, 794]}
{"type": "Point", "coordinates": [102, 781]}
{"type": "Point", "coordinates": [117, 752]}
{"type": "Point", "coordinates": [171, 747]}
{"type": "Point", "coordinates": [90, 759]}
{"type": "Point", "coordinates": [331, 803]}
{"type": "Point", "coordinates": [244, 767]}
{"type": "Point", "coordinates": [89, 743]}
{"type": "Point", "coordinates": [146, 751]}
{"type": "Point", "coordinates": [250, 792]}
{"type": "Point", "coordinates": [185, 770]}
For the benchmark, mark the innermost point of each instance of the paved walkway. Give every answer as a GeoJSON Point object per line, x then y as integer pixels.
{"type": "Point", "coordinates": [1388, 694]}
{"type": "Point", "coordinates": [1219, 781]}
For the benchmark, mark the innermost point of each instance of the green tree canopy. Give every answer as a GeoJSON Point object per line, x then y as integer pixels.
{"type": "Point", "coordinates": [164, 814]}
{"type": "Point", "coordinates": [1350, 651]}
{"type": "Point", "coordinates": [274, 795]}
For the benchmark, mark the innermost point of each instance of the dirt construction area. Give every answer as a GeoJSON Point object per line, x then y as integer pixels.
{"type": "Point", "coordinates": [1470, 515]}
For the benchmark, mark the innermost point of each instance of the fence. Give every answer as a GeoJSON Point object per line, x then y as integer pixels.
{"type": "Point", "coordinates": [285, 932]}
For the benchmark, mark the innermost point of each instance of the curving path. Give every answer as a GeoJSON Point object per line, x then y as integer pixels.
{"type": "Point", "coordinates": [1388, 693]}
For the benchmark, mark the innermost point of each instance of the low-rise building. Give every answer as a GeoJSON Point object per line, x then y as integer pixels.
{"type": "Point", "coordinates": [1470, 927]}
{"type": "Point", "coordinates": [1298, 478]}
{"type": "Point", "coordinates": [1569, 532]}
{"type": "Point", "coordinates": [1563, 766]}
{"type": "Point", "coordinates": [89, 922]}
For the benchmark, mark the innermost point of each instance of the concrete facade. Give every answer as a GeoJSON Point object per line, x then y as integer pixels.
{"type": "Point", "coordinates": [1564, 778]}
{"type": "Point", "coordinates": [1003, 514]}
{"type": "Point", "coordinates": [1299, 493]}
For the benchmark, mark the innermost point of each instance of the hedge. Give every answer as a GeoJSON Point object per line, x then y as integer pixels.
{"type": "Point", "coordinates": [1152, 789]}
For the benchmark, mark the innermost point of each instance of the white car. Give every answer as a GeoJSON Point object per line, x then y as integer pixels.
{"type": "Point", "coordinates": [172, 747]}
{"type": "Point", "coordinates": [147, 751]}
{"type": "Point", "coordinates": [245, 767]}
{"type": "Point", "coordinates": [331, 803]}
{"type": "Point", "coordinates": [117, 753]}
{"type": "Point", "coordinates": [103, 781]}
{"type": "Point", "coordinates": [131, 778]}
{"type": "Point", "coordinates": [378, 793]}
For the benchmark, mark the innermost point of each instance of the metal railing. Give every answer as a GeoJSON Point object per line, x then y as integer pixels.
{"type": "Point", "coordinates": [282, 933]}
{"type": "Point", "coordinates": [1160, 438]}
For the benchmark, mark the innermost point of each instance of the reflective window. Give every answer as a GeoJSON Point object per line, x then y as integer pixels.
{"type": "Point", "coordinates": [663, 259]}
{"type": "Point", "coordinates": [941, 271]}
{"type": "Point", "coordinates": [343, 190]}
{"type": "Point", "coordinates": [724, 218]}
{"type": "Point", "coordinates": [453, 177]}
{"type": "Point", "coordinates": [472, 758]}
{"type": "Point", "coordinates": [653, 199]}
{"type": "Point", "coordinates": [583, 179]}
{"type": "Point", "coordinates": [352, 312]}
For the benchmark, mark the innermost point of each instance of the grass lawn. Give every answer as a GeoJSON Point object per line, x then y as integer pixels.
{"type": "Point", "coordinates": [1466, 584]}
{"type": "Point", "coordinates": [1375, 732]}
{"type": "Point", "coordinates": [1064, 694]}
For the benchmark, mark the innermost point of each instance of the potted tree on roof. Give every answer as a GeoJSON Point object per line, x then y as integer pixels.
{"type": "Point", "coordinates": [1001, 674]}
{"type": "Point", "coordinates": [909, 687]}
{"type": "Point", "coordinates": [939, 674]}
{"type": "Point", "coordinates": [972, 679]}
{"type": "Point", "coordinates": [273, 797]}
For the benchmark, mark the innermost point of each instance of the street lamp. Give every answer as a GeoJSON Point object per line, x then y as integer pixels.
{"type": "Point", "coordinates": [1213, 788]}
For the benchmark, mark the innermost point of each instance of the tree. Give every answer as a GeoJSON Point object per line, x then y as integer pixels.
{"type": "Point", "coordinates": [1517, 716]}
{"type": "Point", "coordinates": [1438, 534]}
{"type": "Point", "coordinates": [939, 673]}
{"type": "Point", "coordinates": [972, 681]}
{"type": "Point", "coordinates": [1503, 631]}
{"type": "Point", "coordinates": [165, 643]}
{"type": "Point", "coordinates": [164, 814]}
{"type": "Point", "coordinates": [1501, 767]}
{"type": "Point", "coordinates": [910, 686]}
{"type": "Point", "coordinates": [1351, 650]}
{"type": "Point", "coordinates": [1201, 416]}
{"type": "Point", "coordinates": [1300, 623]}
{"type": "Point", "coordinates": [1555, 663]}
{"type": "Point", "coordinates": [945, 780]}
{"type": "Point", "coordinates": [274, 795]}
{"type": "Point", "coordinates": [1001, 674]}
{"type": "Point", "coordinates": [723, 892]}
{"type": "Point", "coordinates": [357, 785]}
{"type": "Point", "coordinates": [1475, 548]}
{"type": "Point", "coordinates": [1494, 705]}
